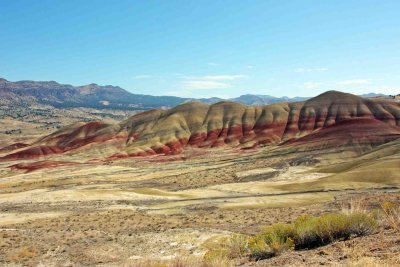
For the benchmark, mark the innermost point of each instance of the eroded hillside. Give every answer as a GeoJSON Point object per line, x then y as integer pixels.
{"type": "Point", "coordinates": [332, 119]}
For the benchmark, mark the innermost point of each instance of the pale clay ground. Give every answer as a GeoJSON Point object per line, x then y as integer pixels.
{"type": "Point", "coordinates": [116, 213]}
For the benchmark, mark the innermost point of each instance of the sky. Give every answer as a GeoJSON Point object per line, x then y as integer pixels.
{"type": "Point", "coordinates": [202, 48]}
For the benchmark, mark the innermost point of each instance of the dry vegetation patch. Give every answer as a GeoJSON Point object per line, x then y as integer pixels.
{"type": "Point", "coordinates": [391, 213]}
{"type": "Point", "coordinates": [309, 232]}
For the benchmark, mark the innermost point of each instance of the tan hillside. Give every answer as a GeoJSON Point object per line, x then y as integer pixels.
{"type": "Point", "coordinates": [332, 119]}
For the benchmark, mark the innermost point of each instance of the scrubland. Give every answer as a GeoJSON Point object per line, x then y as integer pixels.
{"type": "Point", "coordinates": [220, 207]}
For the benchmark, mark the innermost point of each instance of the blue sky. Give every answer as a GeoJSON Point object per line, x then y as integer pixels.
{"type": "Point", "coordinates": [205, 48]}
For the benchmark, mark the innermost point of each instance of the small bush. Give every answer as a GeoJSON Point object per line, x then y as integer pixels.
{"type": "Point", "coordinates": [237, 246]}
{"type": "Point", "coordinates": [306, 232]}
{"type": "Point", "coordinates": [228, 248]}
{"type": "Point", "coordinates": [330, 227]}
{"type": "Point", "coordinates": [259, 249]}
{"type": "Point", "coordinates": [273, 241]}
{"type": "Point", "coordinates": [279, 237]}
{"type": "Point", "coordinates": [362, 224]}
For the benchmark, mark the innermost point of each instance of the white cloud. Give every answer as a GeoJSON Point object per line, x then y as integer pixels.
{"type": "Point", "coordinates": [353, 82]}
{"type": "Point", "coordinates": [301, 70]}
{"type": "Point", "coordinates": [311, 85]}
{"type": "Point", "coordinates": [200, 84]}
{"type": "Point", "coordinates": [343, 84]}
{"type": "Point", "coordinates": [182, 93]}
{"type": "Point", "coordinates": [249, 67]}
{"type": "Point", "coordinates": [211, 81]}
{"type": "Point", "coordinates": [141, 77]}
{"type": "Point", "coordinates": [213, 64]}
{"type": "Point", "coordinates": [222, 77]}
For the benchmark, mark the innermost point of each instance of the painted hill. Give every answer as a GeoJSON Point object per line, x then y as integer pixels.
{"type": "Point", "coordinates": [332, 119]}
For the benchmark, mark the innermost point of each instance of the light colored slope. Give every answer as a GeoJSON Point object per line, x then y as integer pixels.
{"type": "Point", "coordinates": [381, 153]}
{"type": "Point", "coordinates": [380, 174]}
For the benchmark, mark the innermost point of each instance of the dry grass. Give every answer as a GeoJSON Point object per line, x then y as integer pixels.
{"type": "Point", "coordinates": [392, 215]}
{"type": "Point", "coordinates": [185, 262]}
{"type": "Point", "coordinates": [358, 256]}
{"type": "Point", "coordinates": [366, 261]}
{"type": "Point", "coordinates": [23, 254]}
{"type": "Point", "coordinates": [222, 251]}
{"type": "Point", "coordinates": [355, 205]}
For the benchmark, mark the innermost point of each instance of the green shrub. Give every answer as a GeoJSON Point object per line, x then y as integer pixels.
{"type": "Point", "coordinates": [330, 227]}
{"type": "Point", "coordinates": [305, 232]}
{"type": "Point", "coordinates": [316, 231]}
{"type": "Point", "coordinates": [362, 224]}
{"type": "Point", "coordinates": [279, 237]}
{"type": "Point", "coordinates": [273, 241]}
{"type": "Point", "coordinates": [310, 232]}
{"type": "Point", "coordinates": [259, 249]}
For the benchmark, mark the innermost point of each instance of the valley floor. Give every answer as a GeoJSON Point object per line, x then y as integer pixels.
{"type": "Point", "coordinates": [123, 212]}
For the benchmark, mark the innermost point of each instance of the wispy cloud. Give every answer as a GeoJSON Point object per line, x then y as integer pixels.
{"type": "Point", "coordinates": [222, 77]}
{"type": "Point", "coordinates": [354, 82]}
{"type": "Point", "coordinates": [211, 81]}
{"type": "Point", "coordinates": [141, 77]}
{"type": "Point", "coordinates": [311, 85]}
{"type": "Point", "coordinates": [301, 70]}
{"type": "Point", "coordinates": [213, 64]}
{"type": "Point", "coordinates": [249, 67]}
{"type": "Point", "coordinates": [205, 85]}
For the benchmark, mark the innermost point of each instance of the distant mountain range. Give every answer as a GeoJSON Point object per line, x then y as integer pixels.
{"type": "Point", "coordinates": [249, 99]}
{"type": "Point", "coordinates": [110, 97]}
{"type": "Point", "coordinates": [92, 95]}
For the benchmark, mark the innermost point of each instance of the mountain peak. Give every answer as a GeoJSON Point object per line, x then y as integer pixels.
{"type": "Point", "coordinates": [332, 93]}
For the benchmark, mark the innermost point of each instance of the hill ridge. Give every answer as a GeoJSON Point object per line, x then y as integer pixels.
{"type": "Point", "coordinates": [371, 122]}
